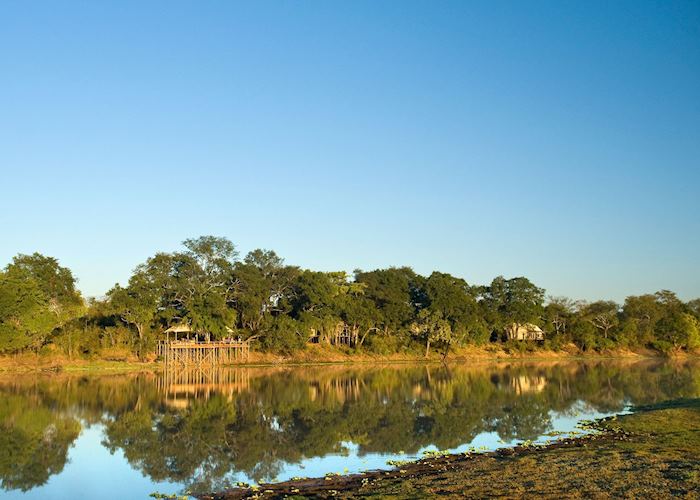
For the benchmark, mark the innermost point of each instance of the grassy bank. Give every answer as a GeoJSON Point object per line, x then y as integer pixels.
{"type": "Point", "coordinates": [652, 453]}
{"type": "Point", "coordinates": [313, 354]}
{"type": "Point", "coordinates": [330, 354]}
{"type": "Point", "coordinates": [30, 363]}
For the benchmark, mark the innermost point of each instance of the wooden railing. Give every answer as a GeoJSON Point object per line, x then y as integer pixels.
{"type": "Point", "coordinates": [194, 353]}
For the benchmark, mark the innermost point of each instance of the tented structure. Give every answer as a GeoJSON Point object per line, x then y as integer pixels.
{"type": "Point", "coordinates": [527, 331]}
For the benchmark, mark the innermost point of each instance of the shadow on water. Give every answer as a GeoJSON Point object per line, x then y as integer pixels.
{"type": "Point", "coordinates": [202, 428]}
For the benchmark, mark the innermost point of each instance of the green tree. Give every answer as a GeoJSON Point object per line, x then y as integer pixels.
{"type": "Point", "coordinates": [55, 281]}
{"type": "Point", "coordinates": [515, 300]}
{"type": "Point", "coordinates": [453, 298]}
{"type": "Point", "coordinates": [136, 305]}
{"type": "Point", "coordinates": [203, 277]}
{"type": "Point", "coordinates": [433, 328]}
{"type": "Point", "coordinates": [264, 288]}
{"type": "Point", "coordinates": [694, 307]}
{"type": "Point", "coordinates": [37, 296]}
{"type": "Point", "coordinates": [397, 294]}
{"type": "Point", "coordinates": [25, 317]}
{"type": "Point", "coordinates": [603, 315]}
{"type": "Point", "coordinates": [677, 330]}
{"type": "Point", "coordinates": [558, 317]}
{"type": "Point", "coordinates": [639, 317]}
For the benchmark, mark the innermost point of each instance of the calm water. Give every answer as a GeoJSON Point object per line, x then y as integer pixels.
{"type": "Point", "coordinates": [126, 436]}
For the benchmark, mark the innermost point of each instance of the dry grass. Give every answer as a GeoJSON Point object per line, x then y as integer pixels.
{"type": "Point", "coordinates": [313, 354]}
{"type": "Point", "coordinates": [28, 363]}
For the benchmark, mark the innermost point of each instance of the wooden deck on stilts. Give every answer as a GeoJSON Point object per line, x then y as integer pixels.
{"type": "Point", "coordinates": [197, 354]}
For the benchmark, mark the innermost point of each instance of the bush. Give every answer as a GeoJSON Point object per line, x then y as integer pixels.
{"type": "Point", "coordinates": [283, 335]}
{"type": "Point", "coordinates": [519, 346]}
{"type": "Point", "coordinates": [555, 343]}
{"type": "Point", "coordinates": [384, 344]}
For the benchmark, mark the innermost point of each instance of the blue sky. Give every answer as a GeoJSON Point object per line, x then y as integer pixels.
{"type": "Point", "coordinates": [556, 140]}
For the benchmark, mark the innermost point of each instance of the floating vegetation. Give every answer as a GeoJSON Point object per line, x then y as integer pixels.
{"type": "Point", "coordinates": [438, 453]}
{"type": "Point", "coordinates": [398, 463]}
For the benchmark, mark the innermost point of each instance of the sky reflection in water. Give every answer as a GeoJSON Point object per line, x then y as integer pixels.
{"type": "Point", "coordinates": [121, 436]}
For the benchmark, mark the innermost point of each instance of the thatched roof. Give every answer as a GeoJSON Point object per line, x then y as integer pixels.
{"type": "Point", "coordinates": [179, 329]}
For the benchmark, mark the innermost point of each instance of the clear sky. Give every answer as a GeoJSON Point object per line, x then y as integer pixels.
{"type": "Point", "coordinates": [556, 140]}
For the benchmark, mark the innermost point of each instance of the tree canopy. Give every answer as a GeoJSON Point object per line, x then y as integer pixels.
{"type": "Point", "coordinates": [259, 297]}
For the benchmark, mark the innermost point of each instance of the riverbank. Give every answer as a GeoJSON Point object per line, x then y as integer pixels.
{"type": "Point", "coordinates": [55, 364]}
{"type": "Point", "coordinates": [316, 355]}
{"type": "Point", "coordinates": [653, 452]}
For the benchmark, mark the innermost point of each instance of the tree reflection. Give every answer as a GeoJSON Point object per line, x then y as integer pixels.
{"type": "Point", "coordinates": [34, 442]}
{"type": "Point", "coordinates": [201, 428]}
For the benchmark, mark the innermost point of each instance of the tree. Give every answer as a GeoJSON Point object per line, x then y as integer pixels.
{"type": "Point", "coordinates": [318, 300]}
{"type": "Point", "coordinates": [267, 261]}
{"type": "Point", "coordinates": [25, 317]}
{"type": "Point", "coordinates": [433, 329]}
{"type": "Point", "coordinates": [203, 277]}
{"type": "Point", "coordinates": [360, 313]}
{"type": "Point", "coordinates": [452, 297]}
{"type": "Point", "coordinates": [252, 295]}
{"type": "Point", "coordinates": [678, 330]}
{"type": "Point", "coordinates": [639, 317]}
{"type": "Point", "coordinates": [516, 300]}
{"type": "Point", "coordinates": [56, 282]}
{"type": "Point", "coordinates": [136, 305]}
{"type": "Point", "coordinates": [264, 287]}
{"type": "Point", "coordinates": [558, 313]}
{"type": "Point", "coordinates": [195, 287]}
{"type": "Point", "coordinates": [694, 307]}
{"type": "Point", "coordinates": [603, 315]}
{"type": "Point", "coordinates": [37, 296]}
{"type": "Point", "coordinates": [396, 292]}
{"type": "Point", "coordinates": [151, 294]}
{"type": "Point", "coordinates": [214, 257]}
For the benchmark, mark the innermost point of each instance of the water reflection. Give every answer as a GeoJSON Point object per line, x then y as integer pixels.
{"type": "Point", "coordinates": [203, 428]}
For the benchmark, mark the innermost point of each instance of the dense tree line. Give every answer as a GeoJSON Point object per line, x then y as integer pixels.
{"type": "Point", "coordinates": [210, 288]}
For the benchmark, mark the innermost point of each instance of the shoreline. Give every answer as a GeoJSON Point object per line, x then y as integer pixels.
{"type": "Point", "coordinates": [30, 363]}
{"type": "Point", "coordinates": [654, 451]}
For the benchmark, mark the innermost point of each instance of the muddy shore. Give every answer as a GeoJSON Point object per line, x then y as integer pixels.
{"type": "Point", "coordinates": [654, 452]}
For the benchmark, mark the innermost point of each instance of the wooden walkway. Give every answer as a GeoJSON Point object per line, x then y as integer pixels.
{"type": "Point", "coordinates": [196, 354]}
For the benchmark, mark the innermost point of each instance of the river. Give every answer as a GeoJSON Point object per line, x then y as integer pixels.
{"type": "Point", "coordinates": [130, 435]}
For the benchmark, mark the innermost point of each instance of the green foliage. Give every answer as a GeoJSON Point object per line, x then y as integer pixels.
{"type": "Point", "coordinates": [395, 292]}
{"type": "Point", "coordinates": [55, 282]}
{"type": "Point", "coordinates": [25, 318]}
{"type": "Point", "coordinates": [452, 298]}
{"type": "Point", "coordinates": [432, 328]}
{"type": "Point", "coordinates": [258, 420]}
{"type": "Point", "coordinates": [677, 330]}
{"type": "Point", "coordinates": [281, 307]}
{"type": "Point", "coordinates": [34, 442]}
{"type": "Point", "coordinates": [37, 296]}
{"type": "Point", "coordinates": [584, 335]}
{"type": "Point", "coordinates": [284, 335]}
{"type": "Point", "coordinates": [515, 300]}
{"type": "Point", "coordinates": [386, 344]}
